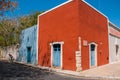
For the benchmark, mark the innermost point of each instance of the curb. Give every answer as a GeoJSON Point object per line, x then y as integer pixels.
{"type": "Point", "coordinates": [71, 73]}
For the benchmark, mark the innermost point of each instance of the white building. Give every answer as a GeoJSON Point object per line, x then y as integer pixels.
{"type": "Point", "coordinates": [114, 43]}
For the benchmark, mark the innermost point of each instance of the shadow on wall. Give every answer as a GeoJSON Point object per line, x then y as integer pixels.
{"type": "Point", "coordinates": [45, 60]}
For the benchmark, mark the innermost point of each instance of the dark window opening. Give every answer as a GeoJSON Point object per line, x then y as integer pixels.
{"type": "Point", "coordinates": [56, 47]}
{"type": "Point", "coordinates": [92, 47]}
{"type": "Point", "coordinates": [117, 48]}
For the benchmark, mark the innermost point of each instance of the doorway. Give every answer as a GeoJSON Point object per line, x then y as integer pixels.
{"type": "Point", "coordinates": [28, 54]}
{"type": "Point", "coordinates": [57, 55]}
{"type": "Point", "coordinates": [93, 55]}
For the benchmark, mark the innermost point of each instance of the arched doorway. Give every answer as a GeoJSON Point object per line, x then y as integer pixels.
{"type": "Point", "coordinates": [93, 54]}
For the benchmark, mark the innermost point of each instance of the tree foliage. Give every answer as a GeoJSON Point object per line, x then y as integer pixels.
{"type": "Point", "coordinates": [6, 5]}
{"type": "Point", "coordinates": [10, 29]}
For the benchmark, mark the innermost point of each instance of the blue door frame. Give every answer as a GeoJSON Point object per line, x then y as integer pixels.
{"type": "Point", "coordinates": [57, 55]}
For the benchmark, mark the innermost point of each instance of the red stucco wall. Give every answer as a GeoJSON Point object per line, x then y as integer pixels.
{"type": "Point", "coordinates": [93, 27]}
{"type": "Point", "coordinates": [66, 24]}
{"type": "Point", "coordinates": [59, 25]}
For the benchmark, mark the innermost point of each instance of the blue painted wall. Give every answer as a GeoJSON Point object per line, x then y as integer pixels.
{"type": "Point", "coordinates": [28, 40]}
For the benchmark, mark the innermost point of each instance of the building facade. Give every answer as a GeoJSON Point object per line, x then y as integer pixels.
{"type": "Point", "coordinates": [28, 47]}
{"type": "Point", "coordinates": [114, 43]}
{"type": "Point", "coordinates": [73, 36]}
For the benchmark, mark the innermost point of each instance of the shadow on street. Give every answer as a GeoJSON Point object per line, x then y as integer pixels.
{"type": "Point", "coordinates": [16, 71]}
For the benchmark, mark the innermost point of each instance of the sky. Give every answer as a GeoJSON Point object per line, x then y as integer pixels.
{"type": "Point", "coordinates": [110, 8]}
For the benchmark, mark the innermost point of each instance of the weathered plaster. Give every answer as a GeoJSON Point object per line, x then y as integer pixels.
{"type": "Point", "coordinates": [28, 39]}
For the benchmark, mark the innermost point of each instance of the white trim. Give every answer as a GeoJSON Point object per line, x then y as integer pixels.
{"type": "Point", "coordinates": [37, 46]}
{"type": "Point", "coordinates": [95, 54]}
{"type": "Point", "coordinates": [51, 54]}
{"type": "Point", "coordinates": [56, 7]}
{"type": "Point", "coordinates": [113, 26]}
{"type": "Point", "coordinates": [116, 41]}
{"type": "Point", "coordinates": [61, 55]}
{"type": "Point", "coordinates": [51, 44]}
{"type": "Point", "coordinates": [79, 43]}
{"type": "Point", "coordinates": [93, 43]}
{"type": "Point", "coordinates": [57, 43]}
{"type": "Point", "coordinates": [94, 8]}
{"type": "Point", "coordinates": [108, 40]}
{"type": "Point", "coordinates": [37, 43]}
{"type": "Point", "coordinates": [68, 2]}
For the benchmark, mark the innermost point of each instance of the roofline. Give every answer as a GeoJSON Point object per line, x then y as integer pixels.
{"type": "Point", "coordinates": [114, 26]}
{"type": "Point", "coordinates": [71, 1]}
{"type": "Point", "coordinates": [114, 35]}
{"type": "Point", "coordinates": [94, 8]}
{"type": "Point", "coordinates": [29, 27]}
{"type": "Point", "coordinates": [55, 7]}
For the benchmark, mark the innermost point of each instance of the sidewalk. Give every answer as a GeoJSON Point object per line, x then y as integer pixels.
{"type": "Point", "coordinates": [109, 71]}
{"type": "Point", "coordinates": [106, 71]}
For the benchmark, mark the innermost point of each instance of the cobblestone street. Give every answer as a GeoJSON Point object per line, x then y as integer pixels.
{"type": "Point", "coordinates": [16, 71]}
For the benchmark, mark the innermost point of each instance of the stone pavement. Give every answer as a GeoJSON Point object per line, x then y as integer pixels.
{"type": "Point", "coordinates": [109, 71]}
{"type": "Point", "coordinates": [105, 72]}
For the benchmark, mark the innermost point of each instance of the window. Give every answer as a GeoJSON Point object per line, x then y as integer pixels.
{"type": "Point", "coordinates": [56, 47]}
{"type": "Point", "coordinates": [92, 47]}
{"type": "Point", "coordinates": [117, 48]}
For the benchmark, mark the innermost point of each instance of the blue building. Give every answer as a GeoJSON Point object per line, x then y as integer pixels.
{"type": "Point", "coordinates": [28, 47]}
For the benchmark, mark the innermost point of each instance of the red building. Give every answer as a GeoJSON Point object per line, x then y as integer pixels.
{"type": "Point", "coordinates": [73, 36]}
